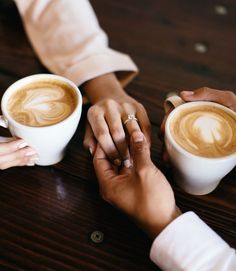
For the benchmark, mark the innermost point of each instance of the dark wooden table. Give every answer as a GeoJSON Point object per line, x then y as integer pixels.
{"type": "Point", "coordinates": [47, 214]}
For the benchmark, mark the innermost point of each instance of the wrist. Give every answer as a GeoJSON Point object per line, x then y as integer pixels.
{"type": "Point", "coordinates": [154, 228]}
{"type": "Point", "coordinates": [103, 87]}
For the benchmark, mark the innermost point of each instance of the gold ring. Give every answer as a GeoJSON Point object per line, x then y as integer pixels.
{"type": "Point", "coordinates": [130, 117]}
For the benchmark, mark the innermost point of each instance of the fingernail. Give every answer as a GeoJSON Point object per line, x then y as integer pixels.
{"type": "Point", "coordinates": [91, 151]}
{"type": "Point", "coordinates": [22, 145]}
{"type": "Point", "coordinates": [32, 161]}
{"type": "Point", "coordinates": [30, 153]}
{"type": "Point", "coordinates": [117, 162]}
{"type": "Point", "coordinates": [127, 163]}
{"type": "Point", "coordinates": [34, 158]}
{"type": "Point", "coordinates": [138, 137]}
{"type": "Point", "coordinates": [30, 164]}
{"type": "Point", "coordinates": [187, 93]}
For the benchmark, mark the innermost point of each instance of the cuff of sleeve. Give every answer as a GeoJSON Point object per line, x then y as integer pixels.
{"type": "Point", "coordinates": [189, 244]}
{"type": "Point", "coordinates": [100, 64]}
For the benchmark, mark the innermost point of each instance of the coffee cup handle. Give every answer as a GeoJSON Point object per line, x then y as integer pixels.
{"type": "Point", "coordinates": [3, 122]}
{"type": "Point", "coordinates": [171, 102]}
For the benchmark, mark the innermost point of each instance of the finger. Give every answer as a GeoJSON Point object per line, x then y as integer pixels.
{"type": "Point", "coordinates": [25, 161]}
{"type": "Point", "coordinates": [12, 146]}
{"type": "Point", "coordinates": [89, 139]}
{"type": "Point", "coordinates": [144, 123]}
{"type": "Point", "coordinates": [26, 156]}
{"type": "Point", "coordinates": [103, 168]}
{"type": "Point", "coordinates": [102, 134]}
{"type": "Point", "coordinates": [131, 125]}
{"type": "Point", "coordinates": [163, 124]}
{"type": "Point", "coordinates": [140, 151]}
{"type": "Point", "coordinates": [4, 139]}
{"type": "Point", "coordinates": [223, 97]}
{"type": "Point", "coordinates": [118, 135]}
{"type": "Point", "coordinates": [165, 155]}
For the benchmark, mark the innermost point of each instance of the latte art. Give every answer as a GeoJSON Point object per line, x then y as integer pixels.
{"type": "Point", "coordinates": [205, 131]}
{"type": "Point", "coordinates": [42, 104]}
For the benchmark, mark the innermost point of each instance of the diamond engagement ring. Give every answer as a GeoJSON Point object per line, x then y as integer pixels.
{"type": "Point", "coordinates": [130, 117]}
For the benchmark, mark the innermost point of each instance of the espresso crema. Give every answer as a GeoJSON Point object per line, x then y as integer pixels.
{"type": "Point", "coordinates": [205, 130]}
{"type": "Point", "coordinates": [42, 103]}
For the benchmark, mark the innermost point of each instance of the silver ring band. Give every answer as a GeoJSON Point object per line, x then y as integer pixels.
{"type": "Point", "coordinates": [130, 118]}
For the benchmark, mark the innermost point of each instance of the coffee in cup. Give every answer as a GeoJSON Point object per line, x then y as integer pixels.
{"type": "Point", "coordinates": [200, 139]}
{"type": "Point", "coordinates": [44, 110]}
{"type": "Point", "coordinates": [42, 103]}
{"type": "Point", "coordinates": [205, 130]}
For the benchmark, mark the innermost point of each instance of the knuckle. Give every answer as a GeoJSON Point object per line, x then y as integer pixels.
{"type": "Point", "coordinates": [141, 107]}
{"type": "Point", "coordinates": [144, 170]}
{"type": "Point", "coordinates": [93, 111]}
{"type": "Point", "coordinates": [143, 173]}
{"type": "Point", "coordinates": [117, 133]}
{"type": "Point", "coordinates": [204, 89]}
{"type": "Point", "coordinates": [127, 105]}
{"type": "Point", "coordinates": [11, 146]}
{"type": "Point", "coordinates": [100, 133]}
{"type": "Point", "coordinates": [110, 103]}
{"type": "Point", "coordinates": [229, 94]}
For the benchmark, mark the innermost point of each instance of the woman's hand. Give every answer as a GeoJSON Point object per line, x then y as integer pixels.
{"type": "Point", "coordinates": [141, 191]}
{"type": "Point", "coordinates": [14, 152]}
{"type": "Point", "coordinates": [111, 107]}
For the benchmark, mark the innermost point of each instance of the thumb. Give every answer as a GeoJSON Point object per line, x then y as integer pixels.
{"type": "Point", "coordinates": [139, 149]}
{"type": "Point", "coordinates": [204, 93]}
{"type": "Point", "coordinates": [224, 97]}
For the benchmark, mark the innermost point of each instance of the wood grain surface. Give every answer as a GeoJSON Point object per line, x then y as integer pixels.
{"type": "Point", "coordinates": [47, 214]}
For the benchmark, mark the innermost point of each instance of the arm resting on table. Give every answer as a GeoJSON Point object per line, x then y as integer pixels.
{"type": "Point", "coordinates": [69, 41]}
{"type": "Point", "coordinates": [189, 244]}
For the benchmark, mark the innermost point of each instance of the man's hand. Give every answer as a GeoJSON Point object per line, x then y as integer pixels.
{"type": "Point", "coordinates": [141, 191]}
{"type": "Point", "coordinates": [224, 97]}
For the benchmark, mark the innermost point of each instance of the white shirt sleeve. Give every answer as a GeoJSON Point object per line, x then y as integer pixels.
{"type": "Point", "coordinates": [69, 41]}
{"type": "Point", "coordinates": [188, 244]}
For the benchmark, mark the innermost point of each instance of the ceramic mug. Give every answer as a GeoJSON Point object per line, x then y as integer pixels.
{"type": "Point", "coordinates": [49, 141]}
{"type": "Point", "coordinates": [196, 174]}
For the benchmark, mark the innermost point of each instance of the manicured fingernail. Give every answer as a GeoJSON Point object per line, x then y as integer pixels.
{"type": "Point", "coordinates": [117, 162]}
{"type": "Point", "coordinates": [91, 151]}
{"type": "Point", "coordinates": [34, 158]}
{"type": "Point", "coordinates": [22, 145]}
{"type": "Point", "coordinates": [30, 164]}
{"type": "Point", "coordinates": [187, 93]}
{"type": "Point", "coordinates": [127, 163]}
{"type": "Point", "coordinates": [32, 161]}
{"type": "Point", "coordinates": [30, 153]}
{"type": "Point", "coordinates": [138, 137]}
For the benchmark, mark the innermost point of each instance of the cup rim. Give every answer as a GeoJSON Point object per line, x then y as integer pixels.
{"type": "Point", "coordinates": [180, 148]}
{"type": "Point", "coordinates": [28, 79]}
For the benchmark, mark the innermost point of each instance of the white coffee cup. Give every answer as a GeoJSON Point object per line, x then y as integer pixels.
{"type": "Point", "coordinates": [49, 141]}
{"type": "Point", "coordinates": [195, 174]}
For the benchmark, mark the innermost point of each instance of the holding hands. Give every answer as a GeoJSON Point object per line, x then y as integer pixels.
{"type": "Point", "coordinates": [108, 122]}
{"type": "Point", "coordinates": [141, 191]}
